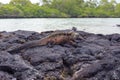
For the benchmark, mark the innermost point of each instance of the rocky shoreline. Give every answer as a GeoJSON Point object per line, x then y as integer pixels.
{"type": "Point", "coordinates": [95, 58]}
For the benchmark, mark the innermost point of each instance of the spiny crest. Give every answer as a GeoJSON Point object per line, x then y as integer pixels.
{"type": "Point", "coordinates": [70, 34]}
{"type": "Point", "coordinates": [54, 34]}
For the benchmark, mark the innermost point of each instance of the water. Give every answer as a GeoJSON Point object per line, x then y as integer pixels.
{"type": "Point", "coordinates": [92, 25]}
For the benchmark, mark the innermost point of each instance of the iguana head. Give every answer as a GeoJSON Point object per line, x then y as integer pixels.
{"type": "Point", "coordinates": [74, 35]}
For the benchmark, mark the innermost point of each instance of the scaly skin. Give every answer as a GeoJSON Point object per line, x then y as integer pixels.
{"type": "Point", "coordinates": [54, 38]}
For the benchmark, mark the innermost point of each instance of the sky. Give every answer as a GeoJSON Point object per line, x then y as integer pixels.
{"type": "Point", "coordinates": [33, 1]}
{"type": "Point", "coordinates": [7, 1]}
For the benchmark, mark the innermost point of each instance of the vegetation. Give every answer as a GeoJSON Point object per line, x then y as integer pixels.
{"type": "Point", "coordinates": [60, 8]}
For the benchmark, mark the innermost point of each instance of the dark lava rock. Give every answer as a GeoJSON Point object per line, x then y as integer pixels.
{"type": "Point", "coordinates": [6, 76]}
{"type": "Point", "coordinates": [97, 57]}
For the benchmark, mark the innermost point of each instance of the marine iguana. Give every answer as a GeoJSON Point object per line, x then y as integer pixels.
{"type": "Point", "coordinates": [54, 38]}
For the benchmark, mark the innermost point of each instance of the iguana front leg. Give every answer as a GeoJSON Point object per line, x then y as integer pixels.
{"type": "Point", "coordinates": [73, 43]}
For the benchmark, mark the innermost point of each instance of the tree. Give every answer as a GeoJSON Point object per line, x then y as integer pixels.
{"type": "Point", "coordinates": [70, 7]}
{"type": "Point", "coordinates": [21, 2]}
{"type": "Point", "coordinates": [117, 10]}
{"type": "Point", "coordinates": [10, 11]}
{"type": "Point", "coordinates": [106, 9]}
{"type": "Point", "coordinates": [61, 8]}
{"type": "Point", "coordinates": [46, 2]}
{"type": "Point", "coordinates": [90, 8]}
{"type": "Point", "coordinates": [1, 4]}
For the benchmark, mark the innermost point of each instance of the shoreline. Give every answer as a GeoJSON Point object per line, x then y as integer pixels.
{"type": "Point", "coordinates": [52, 17]}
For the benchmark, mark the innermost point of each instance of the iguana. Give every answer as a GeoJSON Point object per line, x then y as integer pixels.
{"type": "Point", "coordinates": [54, 38]}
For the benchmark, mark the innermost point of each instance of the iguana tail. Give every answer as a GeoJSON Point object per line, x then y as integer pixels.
{"type": "Point", "coordinates": [25, 46]}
